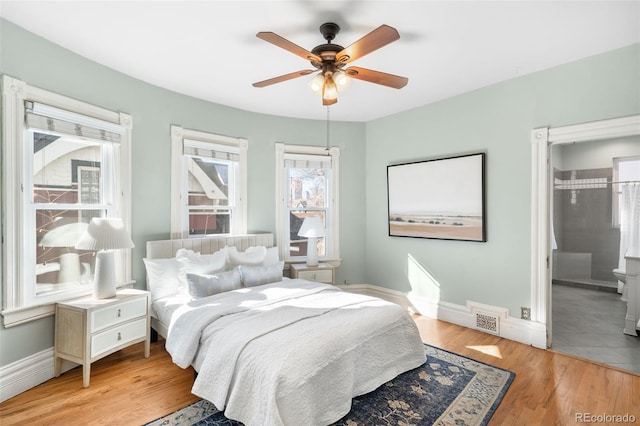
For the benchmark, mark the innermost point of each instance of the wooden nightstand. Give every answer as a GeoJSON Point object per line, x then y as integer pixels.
{"type": "Point", "coordinates": [88, 329]}
{"type": "Point", "coordinates": [323, 273]}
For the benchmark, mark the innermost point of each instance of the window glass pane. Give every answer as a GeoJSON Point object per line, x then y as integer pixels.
{"type": "Point", "coordinates": [66, 170]}
{"type": "Point", "coordinates": [208, 182]}
{"type": "Point", "coordinates": [210, 196]}
{"type": "Point", "coordinates": [298, 244]}
{"type": "Point", "coordinates": [207, 222]}
{"type": "Point", "coordinates": [307, 188]}
{"type": "Point", "coordinates": [59, 265]}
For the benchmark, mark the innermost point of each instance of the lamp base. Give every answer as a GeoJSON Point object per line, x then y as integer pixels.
{"type": "Point", "coordinates": [312, 251]}
{"type": "Point", "coordinates": [104, 280]}
{"type": "Point", "coordinates": [69, 268]}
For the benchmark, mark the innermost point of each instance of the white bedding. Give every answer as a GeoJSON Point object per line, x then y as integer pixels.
{"type": "Point", "coordinates": [292, 352]}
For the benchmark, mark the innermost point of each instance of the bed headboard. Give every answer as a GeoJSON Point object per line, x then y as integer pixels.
{"type": "Point", "coordinates": [164, 249]}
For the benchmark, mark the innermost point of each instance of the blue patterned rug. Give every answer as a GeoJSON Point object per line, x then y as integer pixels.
{"type": "Point", "coordinates": [448, 389]}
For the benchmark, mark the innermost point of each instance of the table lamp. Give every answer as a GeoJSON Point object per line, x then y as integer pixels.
{"type": "Point", "coordinates": [105, 235]}
{"type": "Point", "coordinates": [66, 236]}
{"type": "Point", "coordinates": [312, 229]}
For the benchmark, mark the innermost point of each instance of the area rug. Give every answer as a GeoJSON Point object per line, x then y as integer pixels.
{"type": "Point", "coordinates": [448, 389]}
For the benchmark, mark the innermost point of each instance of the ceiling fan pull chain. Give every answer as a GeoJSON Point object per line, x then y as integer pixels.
{"type": "Point", "coordinates": [328, 148]}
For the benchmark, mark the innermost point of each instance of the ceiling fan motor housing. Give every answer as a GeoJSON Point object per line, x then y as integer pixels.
{"type": "Point", "coordinates": [327, 51]}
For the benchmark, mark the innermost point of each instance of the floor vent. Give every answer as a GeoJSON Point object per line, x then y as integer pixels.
{"type": "Point", "coordinates": [488, 322]}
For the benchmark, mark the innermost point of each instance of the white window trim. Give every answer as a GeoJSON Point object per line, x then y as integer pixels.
{"type": "Point", "coordinates": [281, 149]}
{"type": "Point", "coordinates": [178, 186]}
{"type": "Point", "coordinates": [14, 93]}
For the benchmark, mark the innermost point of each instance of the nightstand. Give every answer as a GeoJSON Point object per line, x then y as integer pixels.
{"type": "Point", "coordinates": [323, 273]}
{"type": "Point", "coordinates": [88, 329]}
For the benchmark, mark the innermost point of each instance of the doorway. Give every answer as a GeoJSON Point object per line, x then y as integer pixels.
{"type": "Point", "coordinates": [541, 244]}
{"type": "Point", "coordinates": [588, 309]}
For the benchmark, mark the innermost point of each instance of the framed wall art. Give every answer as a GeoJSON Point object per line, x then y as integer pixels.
{"type": "Point", "coordinates": [442, 198]}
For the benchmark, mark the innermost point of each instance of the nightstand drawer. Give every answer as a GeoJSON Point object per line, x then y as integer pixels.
{"type": "Point", "coordinates": [320, 275]}
{"type": "Point", "coordinates": [107, 340]}
{"type": "Point", "coordinates": [118, 313]}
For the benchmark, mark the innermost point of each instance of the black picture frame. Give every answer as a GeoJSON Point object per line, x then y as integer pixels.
{"type": "Point", "coordinates": [442, 198]}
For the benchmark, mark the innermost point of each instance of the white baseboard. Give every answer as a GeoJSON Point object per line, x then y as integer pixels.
{"type": "Point", "coordinates": [523, 331]}
{"type": "Point", "coordinates": [28, 372]}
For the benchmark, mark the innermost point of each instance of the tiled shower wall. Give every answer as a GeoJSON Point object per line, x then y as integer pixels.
{"type": "Point", "coordinates": [582, 223]}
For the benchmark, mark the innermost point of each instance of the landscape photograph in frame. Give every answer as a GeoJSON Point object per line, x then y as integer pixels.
{"type": "Point", "coordinates": [441, 198]}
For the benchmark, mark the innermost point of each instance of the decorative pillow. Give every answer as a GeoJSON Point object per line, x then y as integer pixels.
{"type": "Point", "coordinates": [208, 285]}
{"type": "Point", "coordinates": [252, 256]}
{"type": "Point", "coordinates": [272, 256]}
{"type": "Point", "coordinates": [202, 264]}
{"type": "Point", "coordinates": [258, 275]}
{"type": "Point", "coordinates": [162, 277]}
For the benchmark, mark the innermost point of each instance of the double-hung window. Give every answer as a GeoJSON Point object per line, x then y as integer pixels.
{"type": "Point", "coordinates": [307, 185]}
{"type": "Point", "coordinates": [209, 184]}
{"type": "Point", "coordinates": [64, 163]}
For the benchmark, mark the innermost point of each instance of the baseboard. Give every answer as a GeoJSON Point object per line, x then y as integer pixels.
{"type": "Point", "coordinates": [28, 372]}
{"type": "Point", "coordinates": [523, 331]}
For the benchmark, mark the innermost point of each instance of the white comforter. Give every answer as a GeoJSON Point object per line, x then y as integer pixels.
{"type": "Point", "coordinates": [294, 352]}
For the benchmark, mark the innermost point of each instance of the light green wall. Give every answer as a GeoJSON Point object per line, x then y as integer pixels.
{"type": "Point", "coordinates": [43, 64]}
{"type": "Point", "coordinates": [497, 120]}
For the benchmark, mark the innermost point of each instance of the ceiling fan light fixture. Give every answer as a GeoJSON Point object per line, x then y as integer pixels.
{"type": "Point", "coordinates": [330, 90]}
{"type": "Point", "coordinates": [342, 80]}
{"type": "Point", "coordinates": [316, 83]}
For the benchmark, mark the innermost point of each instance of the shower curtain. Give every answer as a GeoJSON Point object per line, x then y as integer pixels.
{"type": "Point", "coordinates": [629, 223]}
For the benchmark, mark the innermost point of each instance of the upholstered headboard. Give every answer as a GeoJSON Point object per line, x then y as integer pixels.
{"type": "Point", "coordinates": [164, 249]}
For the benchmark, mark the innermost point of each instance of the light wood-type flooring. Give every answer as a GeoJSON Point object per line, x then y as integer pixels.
{"type": "Point", "coordinates": [127, 389]}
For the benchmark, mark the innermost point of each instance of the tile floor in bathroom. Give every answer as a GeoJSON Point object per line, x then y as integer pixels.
{"type": "Point", "coordinates": [588, 322]}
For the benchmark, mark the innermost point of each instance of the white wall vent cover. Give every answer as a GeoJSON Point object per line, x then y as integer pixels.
{"type": "Point", "coordinates": [486, 317]}
{"type": "Point", "coordinates": [487, 322]}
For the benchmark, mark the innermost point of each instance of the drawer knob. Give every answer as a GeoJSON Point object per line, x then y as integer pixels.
{"type": "Point", "coordinates": [119, 336]}
{"type": "Point", "coordinates": [119, 313]}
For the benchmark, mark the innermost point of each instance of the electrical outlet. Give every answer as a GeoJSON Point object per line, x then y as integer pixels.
{"type": "Point", "coordinates": [525, 313]}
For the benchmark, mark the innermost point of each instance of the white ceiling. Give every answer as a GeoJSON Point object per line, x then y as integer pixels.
{"type": "Point", "coordinates": [208, 49]}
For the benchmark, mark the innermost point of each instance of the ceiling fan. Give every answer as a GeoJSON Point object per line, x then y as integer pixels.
{"type": "Point", "coordinates": [331, 60]}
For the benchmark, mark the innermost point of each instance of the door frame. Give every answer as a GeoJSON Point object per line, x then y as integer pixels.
{"type": "Point", "coordinates": [541, 140]}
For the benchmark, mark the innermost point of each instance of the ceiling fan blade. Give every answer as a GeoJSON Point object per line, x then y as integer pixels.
{"type": "Point", "coordinates": [282, 78]}
{"type": "Point", "coordinates": [377, 77]}
{"type": "Point", "coordinates": [285, 44]}
{"type": "Point", "coordinates": [376, 39]}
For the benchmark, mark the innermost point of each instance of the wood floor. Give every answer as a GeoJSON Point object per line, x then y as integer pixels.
{"type": "Point", "coordinates": [127, 389]}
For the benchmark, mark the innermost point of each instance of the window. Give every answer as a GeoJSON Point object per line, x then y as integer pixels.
{"type": "Point", "coordinates": [64, 162]}
{"type": "Point", "coordinates": [307, 185]}
{"type": "Point", "coordinates": [625, 170]}
{"type": "Point", "coordinates": [208, 184]}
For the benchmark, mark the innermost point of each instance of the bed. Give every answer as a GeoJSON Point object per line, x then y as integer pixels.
{"type": "Point", "coordinates": [273, 350]}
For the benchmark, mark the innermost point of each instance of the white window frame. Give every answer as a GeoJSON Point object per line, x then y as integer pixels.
{"type": "Point", "coordinates": [18, 306]}
{"type": "Point", "coordinates": [333, 228]}
{"type": "Point", "coordinates": [179, 178]}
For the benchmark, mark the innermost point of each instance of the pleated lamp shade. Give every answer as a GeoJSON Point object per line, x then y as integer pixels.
{"type": "Point", "coordinates": [64, 236]}
{"type": "Point", "coordinates": [105, 234]}
{"type": "Point", "coordinates": [312, 227]}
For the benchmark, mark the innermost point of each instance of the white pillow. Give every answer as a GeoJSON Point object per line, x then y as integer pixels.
{"type": "Point", "coordinates": [162, 277]}
{"type": "Point", "coordinates": [272, 256]}
{"type": "Point", "coordinates": [202, 264]}
{"type": "Point", "coordinates": [208, 285]}
{"type": "Point", "coordinates": [251, 256]}
{"type": "Point", "coordinates": [258, 275]}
